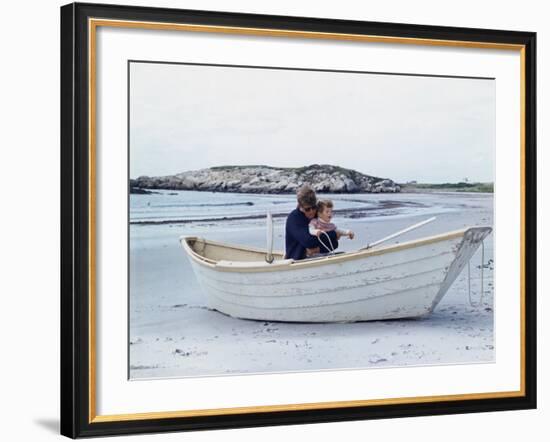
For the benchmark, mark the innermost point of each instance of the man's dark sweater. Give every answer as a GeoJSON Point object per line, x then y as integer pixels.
{"type": "Point", "coordinates": [298, 238]}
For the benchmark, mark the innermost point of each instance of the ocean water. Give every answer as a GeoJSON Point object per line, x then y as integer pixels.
{"type": "Point", "coordinates": [193, 206]}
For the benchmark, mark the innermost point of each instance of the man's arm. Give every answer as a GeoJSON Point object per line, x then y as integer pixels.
{"type": "Point", "coordinates": [302, 236]}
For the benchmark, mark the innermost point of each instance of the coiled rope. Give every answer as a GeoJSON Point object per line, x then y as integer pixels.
{"type": "Point", "coordinates": [473, 304]}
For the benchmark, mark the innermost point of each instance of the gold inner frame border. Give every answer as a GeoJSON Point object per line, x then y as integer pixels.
{"type": "Point", "coordinates": [93, 24]}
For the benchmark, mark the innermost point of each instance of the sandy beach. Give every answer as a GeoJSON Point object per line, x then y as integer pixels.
{"type": "Point", "coordinates": [174, 334]}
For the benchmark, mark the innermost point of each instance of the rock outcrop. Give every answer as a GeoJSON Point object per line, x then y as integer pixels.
{"type": "Point", "coordinates": [265, 179]}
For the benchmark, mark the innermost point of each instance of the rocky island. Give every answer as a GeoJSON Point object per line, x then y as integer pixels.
{"type": "Point", "coordinates": [266, 179]}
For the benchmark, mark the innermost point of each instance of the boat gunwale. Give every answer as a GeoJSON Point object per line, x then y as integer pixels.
{"type": "Point", "coordinates": [308, 263]}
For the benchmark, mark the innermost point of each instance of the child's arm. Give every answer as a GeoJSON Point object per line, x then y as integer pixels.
{"type": "Point", "coordinates": [345, 233]}
{"type": "Point", "coordinates": [313, 230]}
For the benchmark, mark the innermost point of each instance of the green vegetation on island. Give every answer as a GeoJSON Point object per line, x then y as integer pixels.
{"type": "Point", "coordinates": [461, 186]}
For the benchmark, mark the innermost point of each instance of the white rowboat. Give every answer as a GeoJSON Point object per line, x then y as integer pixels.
{"type": "Point", "coordinates": [396, 281]}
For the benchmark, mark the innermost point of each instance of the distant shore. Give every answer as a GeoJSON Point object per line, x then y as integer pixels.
{"type": "Point", "coordinates": [264, 179]}
{"type": "Point", "coordinates": [447, 187]}
{"type": "Point", "coordinates": [404, 188]}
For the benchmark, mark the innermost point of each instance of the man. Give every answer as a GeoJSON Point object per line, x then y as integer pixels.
{"type": "Point", "coordinates": [299, 243]}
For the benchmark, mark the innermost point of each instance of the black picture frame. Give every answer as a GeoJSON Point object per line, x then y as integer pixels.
{"type": "Point", "coordinates": [77, 417]}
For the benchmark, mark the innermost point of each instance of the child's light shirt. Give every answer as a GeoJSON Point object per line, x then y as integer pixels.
{"type": "Point", "coordinates": [318, 224]}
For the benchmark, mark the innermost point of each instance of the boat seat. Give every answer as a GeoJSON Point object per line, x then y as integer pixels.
{"type": "Point", "coordinates": [322, 255]}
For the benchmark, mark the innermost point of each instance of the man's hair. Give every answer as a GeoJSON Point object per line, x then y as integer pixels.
{"type": "Point", "coordinates": [323, 204]}
{"type": "Point", "coordinates": [306, 196]}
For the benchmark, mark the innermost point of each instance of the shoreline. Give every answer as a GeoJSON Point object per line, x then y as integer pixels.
{"type": "Point", "coordinates": [377, 205]}
{"type": "Point", "coordinates": [405, 189]}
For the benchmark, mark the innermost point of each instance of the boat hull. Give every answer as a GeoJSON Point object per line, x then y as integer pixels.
{"type": "Point", "coordinates": [400, 281]}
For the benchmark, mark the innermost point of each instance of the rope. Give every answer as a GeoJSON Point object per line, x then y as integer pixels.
{"type": "Point", "coordinates": [469, 286]}
{"type": "Point", "coordinates": [331, 248]}
{"type": "Point", "coordinates": [473, 304]}
{"type": "Point", "coordinates": [482, 267]}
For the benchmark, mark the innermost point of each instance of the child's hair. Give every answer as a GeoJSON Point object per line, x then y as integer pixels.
{"type": "Point", "coordinates": [323, 204]}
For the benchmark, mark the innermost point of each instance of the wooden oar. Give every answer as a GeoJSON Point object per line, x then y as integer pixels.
{"type": "Point", "coordinates": [393, 235]}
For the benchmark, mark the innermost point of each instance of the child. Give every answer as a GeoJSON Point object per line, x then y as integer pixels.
{"type": "Point", "coordinates": [322, 222]}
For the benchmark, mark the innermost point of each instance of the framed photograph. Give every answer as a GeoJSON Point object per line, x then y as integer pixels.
{"type": "Point", "coordinates": [273, 220]}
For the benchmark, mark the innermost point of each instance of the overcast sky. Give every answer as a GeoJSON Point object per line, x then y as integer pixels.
{"type": "Point", "coordinates": [400, 127]}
